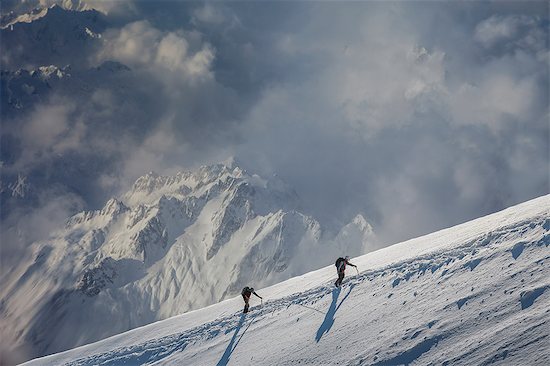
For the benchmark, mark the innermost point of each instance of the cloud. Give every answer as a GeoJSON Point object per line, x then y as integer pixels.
{"type": "Point", "coordinates": [392, 125]}
{"type": "Point", "coordinates": [418, 115]}
{"type": "Point", "coordinates": [210, 14]}
{"type": "Point", "coordinates": [46, 124]}
{"type": "Point", "coordinates": [492, 100]}
{"type": "Point", "coordinates": [139, 44]}
{"type": "Point", "coordinates": [50, 130]}
{"type": "Point", "coordinates": [511, 32]}
{"type": "Point", "coordinates": [24, 225]}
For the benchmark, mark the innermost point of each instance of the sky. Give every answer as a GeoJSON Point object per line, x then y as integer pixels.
{"type": "Point", "coordinates": [420, 115]}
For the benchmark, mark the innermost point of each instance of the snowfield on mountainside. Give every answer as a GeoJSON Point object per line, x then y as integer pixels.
{"type": "Point", "coordinates": [169, 245]}
{"type": "Point", "coordinates": [474, 294]}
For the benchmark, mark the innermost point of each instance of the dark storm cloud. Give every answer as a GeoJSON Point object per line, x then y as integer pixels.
{"type": "Point", "coordinates": [144, 99]}
{"type": "Point", "coordinates": [420, 115]}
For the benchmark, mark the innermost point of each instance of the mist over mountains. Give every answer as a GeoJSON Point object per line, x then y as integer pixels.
{"type": "Point", "coordinates": [402, 119]}
{"type": "Point", "coordinates": [414, 125]}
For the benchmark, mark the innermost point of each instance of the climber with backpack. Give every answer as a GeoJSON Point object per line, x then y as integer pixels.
{"type": "Point", "coordinates": [247, 292]}
{"type": "Point", "coordinates": [341, 268]}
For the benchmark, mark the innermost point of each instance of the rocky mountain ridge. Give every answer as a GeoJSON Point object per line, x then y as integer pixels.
{"type": "Point", "coordinates": [170, 244]}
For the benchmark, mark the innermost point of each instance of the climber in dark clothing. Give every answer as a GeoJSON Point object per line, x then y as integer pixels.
{"type": "Point", "coordinates": [247, 292]}
{"type": "Point", "coordinates": [341, 268]}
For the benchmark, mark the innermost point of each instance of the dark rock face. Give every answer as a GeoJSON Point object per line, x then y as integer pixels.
{"type": "Point", "coordinates": [95, 279]}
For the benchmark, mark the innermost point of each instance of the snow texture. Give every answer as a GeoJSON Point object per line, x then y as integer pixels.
{"type": "Point", "coordinates": [474, 294]}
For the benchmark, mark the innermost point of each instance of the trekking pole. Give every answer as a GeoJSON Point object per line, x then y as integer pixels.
{"type": "Point", "coordinates": [309, 307]}
{"type": "Point", "coordinates": [357, 270]}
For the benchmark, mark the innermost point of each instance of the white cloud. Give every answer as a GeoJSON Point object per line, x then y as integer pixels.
{"type": "Point", "coordinates": [400, 119]}
{"type": "Point", "coordinates": [511, 32]}
{"type": "Point", "coordinates": [50, 130]}
{"type": "Point", "coordinates": [22, 227]}
{"type": "Point", "coordinates": [497, 28]}
{"type": "Point", "coordinates": [210, 14]}
{"type": "Point", "coordinates": [46, 124]}
{"type": "Point", "coordinates": [133, 45]}
{"type": "Point", "coordinates": [215, 16]}
{"type": "Point", "coordinates": [139, 44]}
{"type": "Point", "coordinates": [72, 139]}
{"type": "Point", "coordinates": [171, 51]}
{"type": "Point", "coordinates": [492, 101]}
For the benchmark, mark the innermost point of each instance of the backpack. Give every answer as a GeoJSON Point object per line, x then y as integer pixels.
{"type": "Point", "coordinates": [339, 263]}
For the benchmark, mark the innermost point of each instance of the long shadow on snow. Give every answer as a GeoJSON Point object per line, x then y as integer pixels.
{"type": "Point", "coordinates": [230, 348]}
{"type": "Point", "coordinates": [158, 349]}
{"type": "Point", "coordinates": [329, 317]}
{"type": "Point", "coordinates": [410, 355]}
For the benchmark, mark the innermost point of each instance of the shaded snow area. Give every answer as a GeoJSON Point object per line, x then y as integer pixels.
{"type": "Point", "coordinates": [474, 294]}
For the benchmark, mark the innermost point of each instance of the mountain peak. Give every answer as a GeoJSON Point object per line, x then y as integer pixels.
{"type": "Point", "coordinates": [9, 20]}
{"type": "Point", "coordinates": [47, 72]}
{"type": "Point", "coordinates": [113, 207]}
{"type": "Point", "coordinates": [151, 186]}
{"type": "Point", "coordinates": [362, 224]}
{"type": "Point", "coordinates": [55, 35]}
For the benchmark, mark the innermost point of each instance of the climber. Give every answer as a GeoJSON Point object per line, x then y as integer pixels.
{"type": "Point", "coordinates": [247, 292]}
{"type": "Point", "coordinates": [341, 268]}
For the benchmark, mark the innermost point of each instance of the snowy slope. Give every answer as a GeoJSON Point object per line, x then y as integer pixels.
{"type": "Point", "coordinates": [477, 293]}
{"type": "Point", "coordinates": [171, 244]}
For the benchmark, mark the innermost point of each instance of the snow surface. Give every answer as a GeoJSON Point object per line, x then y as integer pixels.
{"type": "Point", "coordinates": [170, 245]}
{"type": "Point", "coordinates": [477, 293]}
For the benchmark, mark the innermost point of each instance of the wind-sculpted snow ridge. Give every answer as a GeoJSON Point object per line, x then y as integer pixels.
{"type": "Point", "coordinates": [474, 294]}
{"type": "Point", "coordinates": [170, 245]}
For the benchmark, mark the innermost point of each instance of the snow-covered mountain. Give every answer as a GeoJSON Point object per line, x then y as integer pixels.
{"type": "Point", "coordinates": [474, 294]}
{"type": "Point", "coordinates": [49, 36]}
{"type": "Point", "coordinates": [169, 245]}
{"type": "Point", "coordinates": [46, 72]}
